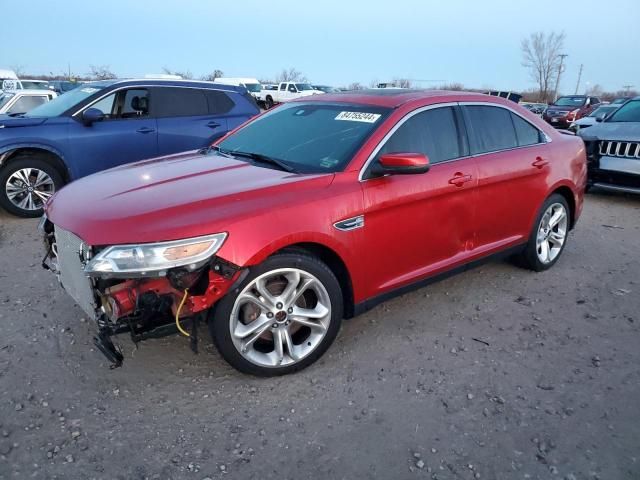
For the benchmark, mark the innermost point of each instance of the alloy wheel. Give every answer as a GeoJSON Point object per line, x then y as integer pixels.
{"type": "Point", "coordinates": [29, 188]}
{"type": "Point", "coordinates": [552, 233]}
{"type": "Point", "coordinates": [280, 317]}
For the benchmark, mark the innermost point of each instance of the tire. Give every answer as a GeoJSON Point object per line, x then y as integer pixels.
{"type": "Point", "coordinates": [268, 103]}
{"type": "Point", "coordinates": [44, 180]}
{"type": "Point", "coordinates": [301, 344]}
{"type": "Point", "coordinates": [533, 256]}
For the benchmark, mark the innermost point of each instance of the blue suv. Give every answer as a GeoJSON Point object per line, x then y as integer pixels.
{"type": "Point", "coordinates": [108, 123]}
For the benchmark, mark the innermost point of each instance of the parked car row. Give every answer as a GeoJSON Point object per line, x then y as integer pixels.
{"type": "Point", "coordinates": [105, 124]}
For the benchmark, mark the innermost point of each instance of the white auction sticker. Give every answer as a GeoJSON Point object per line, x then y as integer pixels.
{"type": "Point", "coordinates": [358, 117]}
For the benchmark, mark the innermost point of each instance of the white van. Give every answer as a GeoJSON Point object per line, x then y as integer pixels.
{"type": "Point", "coordinates": [9, 80]}
{"type": "Point", "coordinates": [251, 84]}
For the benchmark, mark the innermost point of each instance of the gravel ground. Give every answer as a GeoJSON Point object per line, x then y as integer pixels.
{"type": "Point", "coordinates": [498, 373]}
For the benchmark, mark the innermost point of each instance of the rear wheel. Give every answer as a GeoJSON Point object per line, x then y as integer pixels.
{"type": "Point", "coordinates": [268, 103]}
{"type": "Point", "coordinates": [549, 235]}
{"type": "Point", "coordinates": [26, 183]}
{"type": "Point", "coordinates": [281, 318]}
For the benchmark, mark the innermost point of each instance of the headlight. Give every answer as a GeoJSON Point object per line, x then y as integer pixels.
{"type": "Point", "coordinates": [154, 258]}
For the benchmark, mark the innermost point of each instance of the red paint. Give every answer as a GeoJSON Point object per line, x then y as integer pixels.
{"type": "Point", "coordinates": [415, 225]}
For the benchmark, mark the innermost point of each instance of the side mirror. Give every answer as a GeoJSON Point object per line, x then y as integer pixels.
{"type": "Point", "coordinates": [91, 115]}
{"type": "Point", "coordinates": [601, 119]}
{"type": "Point", "coordinates": [401, 164]}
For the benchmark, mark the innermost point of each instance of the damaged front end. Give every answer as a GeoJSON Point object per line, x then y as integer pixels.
{"type": "Point", "coordinates": [148, 290]}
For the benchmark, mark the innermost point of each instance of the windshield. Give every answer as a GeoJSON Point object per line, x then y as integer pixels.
{"type": "Point", "coordinates": [311, 138]}
{"type": "Point", "coordinates": [602, 111]}
{"type": "Point", "coordinates": [64, 102]}
{"type": "Point", "coordinates": [570, 101]}
{"type": "Point", "coordinates": [5, 97]}
{"type": "Point", "coordinates": [303, 86]}
{"type": "Point", "coordinates": [253, 87]}
{"type": "Point", "coordinates": [629, 112]}
{"type": "Point", "coordinates": [33, 85]}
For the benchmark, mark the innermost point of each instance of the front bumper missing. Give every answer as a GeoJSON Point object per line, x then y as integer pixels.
{"type": "Point", "coordinates": [146, 307]}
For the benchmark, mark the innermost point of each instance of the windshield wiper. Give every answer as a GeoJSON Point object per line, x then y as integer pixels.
{"type": "Point", "coordinates": [217, 149]}
{"type": "Point", "coordinates": [264, 159]}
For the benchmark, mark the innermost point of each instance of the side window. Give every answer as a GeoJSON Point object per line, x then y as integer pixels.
{"type": "Point", "coordinates": [179, 102]}
{"type": "Point", "coordinates": [26, 103]}
{"type": "Point", "coordinates": [292, 88]}
{"type": "Point", "coordinates": [595, 101]}
{"type": "Point", "coordinates": [283, 86]}
{"type": "Point", "coordinates": [106, 105]}
{"type": "Point", "coordinates": [526, 133]}
{"type": "Point", "coordinates": [432, 132]}
{"type": "Point", "coordinates": [219, 102]}
{"type": "Point", "coordinates": [123, 104]}
{"type": "Point", "coordinates": [134, 103]}
{"type": "Point", "coordinates": [491, 129]}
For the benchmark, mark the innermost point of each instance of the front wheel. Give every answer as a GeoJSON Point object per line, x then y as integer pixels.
{"type": "Point", "coordinates": [281, 318]}
{"type": "Point", "coordinates": [26, 183]}
{"type": "Point", "coordinates": [549, 235]}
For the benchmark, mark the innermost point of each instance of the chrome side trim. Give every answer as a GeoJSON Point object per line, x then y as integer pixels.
{"type": "Point", "coordinates": [349, 224]}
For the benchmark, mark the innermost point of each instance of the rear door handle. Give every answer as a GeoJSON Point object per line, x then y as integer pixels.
{"type": "Point", "coordinates": [540, 162]}
{"type": "Point", "coordinates": [459, 179]}
{"type": "Point", "coordinates": [146, 130]}
{"type": "Point", "coordinates": [213, 124]}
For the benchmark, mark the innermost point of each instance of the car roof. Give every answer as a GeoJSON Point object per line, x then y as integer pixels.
{"type": "Point", "coordinates": [393, 98]}
{"type": "Point", "coordinates": [167, 83]}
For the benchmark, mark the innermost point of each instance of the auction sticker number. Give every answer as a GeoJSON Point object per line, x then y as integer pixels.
{"type": "Point", "coordinates": [358, 117]}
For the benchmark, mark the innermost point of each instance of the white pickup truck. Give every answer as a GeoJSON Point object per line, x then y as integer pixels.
{"type": "Point", "coordinates": [287, 91]}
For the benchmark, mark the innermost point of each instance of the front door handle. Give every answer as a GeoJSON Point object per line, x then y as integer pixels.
{"type": "Point", "coordinates": [213, 124]}
{"type": "Point", "coordinates": [540, 162]}
{"type": "Point", "coordinates": [459, 179]}
{"type": "Point", "coordinates": [146, 130]}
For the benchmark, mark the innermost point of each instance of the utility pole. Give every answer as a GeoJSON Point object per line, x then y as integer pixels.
{"type": "Point", "coordinates": [69, 70]}
{"type": "Point", "coordinates": [579, 77]}
{"type": "Point", "coordinates": [627, 88]}
{"type": "Point", "coordinates": [562, 57]}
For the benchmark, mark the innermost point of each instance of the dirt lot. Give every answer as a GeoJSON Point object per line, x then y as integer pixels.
{"type": "Point", "coordinates": [498, 373]}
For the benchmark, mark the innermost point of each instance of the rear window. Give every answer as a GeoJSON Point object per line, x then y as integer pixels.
{"type": "Point", "coordinates": [491, 129]}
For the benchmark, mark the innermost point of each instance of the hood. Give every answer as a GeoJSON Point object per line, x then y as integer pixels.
{"type": "Point", "coordinates": [586, 121]}
{"type": "Point", "coordinates": [617, 131]}
{"type": "Point", "coordinates": [560, 109]}
{"type": "Point", "coordinates": [7, 121]}
{"type": "Point", "coordinates": [306, 93]}
{"type": "Point", "coordinates": [169, 198]}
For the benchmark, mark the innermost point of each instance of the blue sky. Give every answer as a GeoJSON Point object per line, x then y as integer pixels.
{"type": "Point", "coordinates": [476, 43]}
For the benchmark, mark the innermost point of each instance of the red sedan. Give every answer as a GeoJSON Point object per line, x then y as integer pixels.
{"type": "Point", "coordinates": [313, 212]}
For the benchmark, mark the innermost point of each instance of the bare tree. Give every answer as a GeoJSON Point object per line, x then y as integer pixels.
{"type": "Point", "coordinates": [18, 70]}
{"type": "Point", "coordinates": [355, 86]}
{"type": "Point", "coordinates": [101, 72]}
{"type": "Point", "coordinates": [290, 75]}
{"type": "Point", "coordinates": [187, 75]}
{"type": "Point", "coordinates": [454, 86]}
{"type": "Point", "coordinates": [595, 90]}
{"type": "Point", "coordinates": [402, 83]}
{"type": "Point", "coordinates": [210, 77]}
{"type": "Point", "coordinates": [541, 55]}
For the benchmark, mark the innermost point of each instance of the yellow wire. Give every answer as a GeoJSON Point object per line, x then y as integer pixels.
{"type": "Point", "coordinates": [182, 330]}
